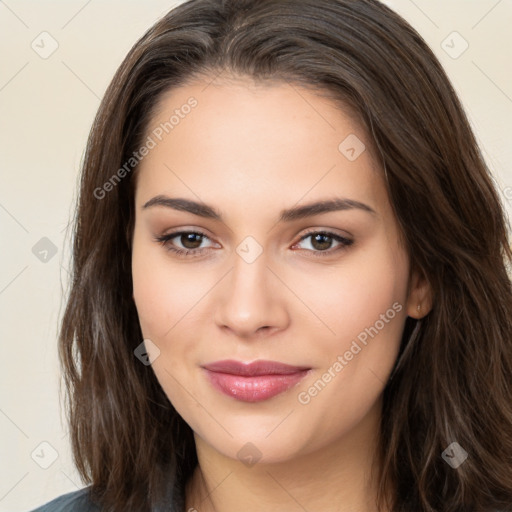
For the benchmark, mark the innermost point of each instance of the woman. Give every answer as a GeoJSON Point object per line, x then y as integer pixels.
{"type": "Point", "coordinates": [290, 285]}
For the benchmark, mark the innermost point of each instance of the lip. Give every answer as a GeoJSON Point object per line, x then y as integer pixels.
{"type": "Point", "coordinates": [256, 381]}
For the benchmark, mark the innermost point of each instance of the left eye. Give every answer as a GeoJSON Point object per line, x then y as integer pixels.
{"type": "Point", "coordinates": [321, 242]}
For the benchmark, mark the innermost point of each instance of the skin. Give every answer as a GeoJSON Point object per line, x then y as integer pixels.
{"type": "Point", "coordinates": [251, 150]}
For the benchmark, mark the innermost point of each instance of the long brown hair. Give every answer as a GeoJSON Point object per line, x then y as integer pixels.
{"type": "Point", "coordinates": [453, 382]}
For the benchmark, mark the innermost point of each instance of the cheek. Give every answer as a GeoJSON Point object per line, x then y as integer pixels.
{"type": "Point", "coordinates": [365, 307]}
{"type": "Point", "coordinates": [356, 296]}
{"type": "Point", "coordinates": [163, 293]}
{"type": "Point", "coordinates": [152, 296]}
{"type": "Point", "coordinates": [163, 298]}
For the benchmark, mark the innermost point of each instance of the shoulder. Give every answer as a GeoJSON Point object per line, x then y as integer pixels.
{"type": "Point", "coordinates": [78, 501]}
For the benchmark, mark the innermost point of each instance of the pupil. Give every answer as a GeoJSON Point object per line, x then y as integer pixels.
{"type": "Point", "coordinates": [325, 245]}
{"type": "Point", "coordinates": [189, 238]}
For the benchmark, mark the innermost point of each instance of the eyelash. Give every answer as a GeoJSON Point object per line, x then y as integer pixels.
{"type": "Point", "coordinates": [165, 239]}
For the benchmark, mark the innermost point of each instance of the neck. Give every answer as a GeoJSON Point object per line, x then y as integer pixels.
{"type": "Point", "coordinates": [339, 477]}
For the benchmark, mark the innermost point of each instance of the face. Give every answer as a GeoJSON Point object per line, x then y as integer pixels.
{"type": "Point", "coordinates": [317, 297]}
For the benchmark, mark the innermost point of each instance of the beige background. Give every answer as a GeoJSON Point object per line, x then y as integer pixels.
{"type": "Point", "coordinates": [46, 109]}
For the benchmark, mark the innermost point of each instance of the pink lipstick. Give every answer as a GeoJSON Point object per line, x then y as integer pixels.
{"type": "Point", "coordinates": [253, 382]}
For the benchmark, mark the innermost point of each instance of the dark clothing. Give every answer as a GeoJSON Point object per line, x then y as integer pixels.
{"type": "Point", "coordinates": [76, 501]}
{"type": "Point", "coordinates": [81, 501]}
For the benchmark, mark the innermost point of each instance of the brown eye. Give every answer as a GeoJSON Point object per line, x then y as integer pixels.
{"type": "Point", "coordinates": [322, 241]}
{"type": "Point", "coordinates": [190, 242]}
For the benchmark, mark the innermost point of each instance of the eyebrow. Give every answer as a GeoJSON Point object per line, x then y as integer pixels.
{"type": "Point", "coordinates": [287, 215]}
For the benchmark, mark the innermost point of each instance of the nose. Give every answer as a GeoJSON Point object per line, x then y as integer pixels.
{"type": "Point", "coordinates": [251, 300]}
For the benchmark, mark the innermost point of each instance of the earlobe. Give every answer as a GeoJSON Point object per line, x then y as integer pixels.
{"type": "Point", "coordinates": [419, 302]}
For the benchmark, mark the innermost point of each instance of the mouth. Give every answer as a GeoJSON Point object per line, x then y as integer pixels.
{"type": "Point", "coordinates": [253, 382]}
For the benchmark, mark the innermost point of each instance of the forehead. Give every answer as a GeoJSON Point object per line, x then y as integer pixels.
{"type": "Point", "coordinates": [272, 140]}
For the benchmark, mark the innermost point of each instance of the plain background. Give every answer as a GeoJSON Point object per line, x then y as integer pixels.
{"type": "Point", "coordinates": [47, 106]}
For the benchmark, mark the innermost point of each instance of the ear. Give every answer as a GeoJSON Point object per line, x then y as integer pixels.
{"type": "Point", "coordinates": [419, 301]}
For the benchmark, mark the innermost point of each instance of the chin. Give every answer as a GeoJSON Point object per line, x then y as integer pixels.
{"type": "Point", "coordinates": [265, 439]}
